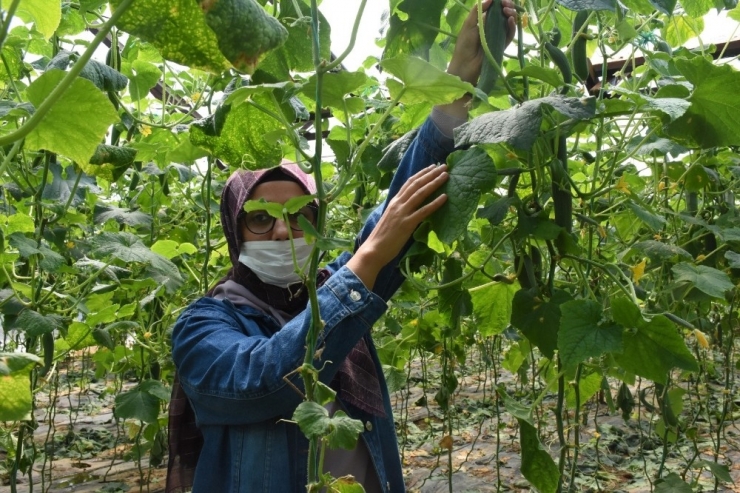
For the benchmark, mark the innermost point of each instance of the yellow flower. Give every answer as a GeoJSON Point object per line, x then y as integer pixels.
{"type": "Point", "coordinates": [701, 338]}
{"type": "Point", "coordinates": [195, 97]}
{"type": "Point", "coordinates": [146, 130]}
{"type": "Point", "coordinates": [622, 185]}
{"type": "Point", "coordinates": [638, 271]}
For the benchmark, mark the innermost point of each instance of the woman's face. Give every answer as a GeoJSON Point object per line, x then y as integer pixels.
{"type": "Point", "coordinates": [272, 191]}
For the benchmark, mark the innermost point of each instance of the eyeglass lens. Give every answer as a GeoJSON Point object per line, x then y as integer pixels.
{"type": "Point", "coordinates": [260, 222]}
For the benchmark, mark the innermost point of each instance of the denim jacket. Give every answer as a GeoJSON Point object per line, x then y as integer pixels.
{"type": "Point", "coordinates": [232, 369]}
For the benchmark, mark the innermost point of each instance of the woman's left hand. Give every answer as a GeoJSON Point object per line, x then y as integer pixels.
{"type": "Point", "coordinates": [401, 217]}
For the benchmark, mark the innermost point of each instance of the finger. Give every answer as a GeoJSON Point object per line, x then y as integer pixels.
{"type": "Point", "coordinates": [427, 210]}
{"type": "Point", "coordinates": [419, 179]}
{"type": "Point", "coordinates": [423, 192]}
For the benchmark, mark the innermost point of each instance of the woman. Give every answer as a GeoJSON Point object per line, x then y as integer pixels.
{"type": "Point", "coordinates": [234, 347]}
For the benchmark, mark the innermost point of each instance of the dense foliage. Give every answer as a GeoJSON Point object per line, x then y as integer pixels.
{"type": "Point", "coordinates": [591, 230]}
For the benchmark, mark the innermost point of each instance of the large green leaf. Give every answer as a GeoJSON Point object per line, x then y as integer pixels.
{"type": "Point", "coordinates": [60, 188]}
{"type": "Point", "coordinates": [585, 333]}
{"type": "Point", "coordinates": [34, 324]}
{"type": "Point", "coordinates": [423, 82]}
{"type": "Point", "coordinates": [142, 402]}
{"type": "Point", "coordinates": [142, 77]}
{"type": "Point", "coordinates": [343, 431]}
{"type": "Point", "coordinates": [45, 13]}
{"type": "Point", "coordinates": [471, 173]}
{"type": "Point", "coordinates": [335, 87]}
{"type": "Point", "coordinates": [15, 387]}
{"type": "Point", "coordinates": [706, 279]}
{"type": "Point", "coordinates": [653, 348]}
{"type": "Point", "coordinates": [492, 307]}
{"type": "Point", "coordinates": [104, 77]}
{"type": "Point", "coordinates": [579, 5]}
{"type": "Point", "coordinates": [49, 259]}
{"type": "Point", "coordinates": [520, 126]}
{"type": "Point", "coordinates": [697, 8]}
{"type": "Point", "coordinates": [312, 419]}
{"type": "Point", "coordinates": [537, 465]}
{"type": "Point", "coordinates": [296, 54]}
{"type": "Point", "coordinates": [538, 320]}
{"type": "Point", "coordinates": [395, 151]}
{"type": "Point", "coordinates": [237, 135]}
{"type": "Point", "coordinates": [682, 28]}
{"type": "Point", "coordinates": [76, 123]}
{"type": "Point", "coordinates": [413, 27]}
{"type": "Point", "coordinates": [714, 116]}
{"type": "Point", "coordinates": [178, 29]}
{"type": "Point", "coordinates": [659, 251]}
{"type": "Point", "coordinates": [129, 248]}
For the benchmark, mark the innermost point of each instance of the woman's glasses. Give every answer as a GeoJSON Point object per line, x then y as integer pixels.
{"type": "Point", "coordinates": [260, 222]}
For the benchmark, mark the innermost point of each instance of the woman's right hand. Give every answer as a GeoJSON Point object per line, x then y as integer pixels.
{"type": "Point", "coordinates": [401, 217]}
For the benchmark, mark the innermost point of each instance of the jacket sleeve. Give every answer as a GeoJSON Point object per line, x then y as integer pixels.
{"type": "Point", "coordinates": [232, 371]}
{"type": "Point", "coordinates": [429, 147]}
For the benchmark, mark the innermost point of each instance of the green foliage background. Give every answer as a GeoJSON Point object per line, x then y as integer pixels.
{"type": "Point", "coordinates": [597, 223]}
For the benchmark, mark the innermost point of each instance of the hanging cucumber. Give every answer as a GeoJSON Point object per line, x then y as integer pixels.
{"type": "Point", "coordinates": [578, 47]}
{"type": "Point", "coordinates": [561, 62]}
{"type": "Point", "coordinates": [495, 30]}
{"type": "Point", "coordinates": [561, 197]}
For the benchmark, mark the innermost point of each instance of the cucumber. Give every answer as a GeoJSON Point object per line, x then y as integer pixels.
{"type": "Point", "coordinates": [561, 62]}
{"type": "Point", "coordinates": [561, 197]}
{"type": "Point", "coordinates": [578, 47]}
{"type": "Point", "coordinates": [495, 31]}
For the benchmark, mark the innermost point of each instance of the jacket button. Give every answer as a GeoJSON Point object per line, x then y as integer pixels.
{"type": "Point", "coordinates": [354, 295]}
{"type": "Point", "coordinates": [369, 426]}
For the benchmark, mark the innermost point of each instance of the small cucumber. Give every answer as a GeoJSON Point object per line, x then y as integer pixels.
{"type": "Point", "coordinates": [561, 197]}
{"type": "Point", "coordinates": [495, 29]}
{"type": "Point", "coordinates": [561, 62]}
{"type": "Point", "coordinates": [578, 47]}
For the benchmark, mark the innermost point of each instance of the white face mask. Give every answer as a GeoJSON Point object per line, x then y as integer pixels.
{"type": "Point", "coordinates": [272, 261]}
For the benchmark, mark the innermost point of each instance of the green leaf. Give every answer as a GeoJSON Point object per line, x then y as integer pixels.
{"type": "Point", "coordinates": [682, 28]}
{"type": "Point", "coordinates": [104, 77]}
{"type": "Point", "coordinates": [129, 248]}
{"type": "Point", "coordinates": [345, 484]}
{"type": "Point", "coordinates": [587, 388]}
{"type": "Point", "coordinates": [17, 223]}
{"type": "Point", "coordinates": [296, 55]}
{"type": "Point", "coordinates": [538, 320]}
{"type": "Point", "coordinates": [659, 251]}
{"type": "Point", "coordinates": [76, 123]}
{"type": "Point", "coordinates": [395, 151]}
{"type": "Point", "coordinates": [719, 471]}
{"type": "Point", "coordinates": [537, 465]}
{"type": "Point", "coordinates": [60, 188]}
{"type": "Point", "coordinates": [45, 13]}
{"type": "Point", "coordinates": [708, 280]}
{"type": "Point", "coordinates": [653, 348]}
{"type": "Point", "coordinates": [34, 324]}
{"type": "Point", "coordinates": [673, 483]}
{"type": "Point", "coordinates": [697, 8]}
{"type": "Point", "coordinates": [170, 249]}
{"type": "Point", "coordinates": [178, 29]}
{"type": "Point", "coordinates": [492, 307]}
{"type": "Point", "coordinates": [423, 82]}
{"type": "Point", "coordinates": [664, 6]}
{"type": "Point", "coordinates": [584, 333]}
{"type": "Point", "coordinates": [413, 27]}
{"type": "Point", "coordinates": [50, 260]}
{"type": "Point", "coordinates": [142, 403]}
{"type": "Point", "coordinates": [236, 135]}
{"type": "Point", "coordinates": [579, 5]}
{"type": "Point", "coordinates": [343, 431]}
{"type": "Point", "coordinates": [142, 77]}
{"type": "Point", "coordinates": [550, 76]}
{"type": "Point", "coordinates": [471, 173]}
{"type": "Point", "coordinates": [312, 419]}
{"type": "Point", "coordinates": [626, 313]}
{"type": "Point", "coordinates": [15, 385]}
{"type": "Point", "coordinates": [335, 87]}
{"type": "Point", "coordinates": [653, 221]}
{"type": "Point", "coordinates": [103, 214]}
{"type": "Point", "coordinates": [520, 126]}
